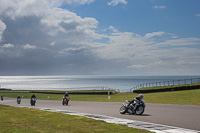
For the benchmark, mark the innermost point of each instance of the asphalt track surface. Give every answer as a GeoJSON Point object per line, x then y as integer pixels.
{"type": "Point", "coordinates": [183, 116]}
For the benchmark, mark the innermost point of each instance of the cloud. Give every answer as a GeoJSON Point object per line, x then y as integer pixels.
{"type": "Point", "coordinates": [198, 16]}
{"type": "Point", "coordinates": [2, 28]}
{"type": "Point", "coordinates": [39, 37]}
{"type": "Point", "coordinates": [28, 46]}
{"type": "Point", "coordinates": [8, 45]}
{"type": "Point", "coordinates": [159, 7]}
{"type": "Point", "coordinates": [150, 54]}
{"type": "Point", "coordinates": [52, 43]}
{"type": "Point", "coordinates": [180, 42]}
{"type": "Point", "coordinates": [116, 2]}
{"type": "Point", "coordinates": [150, 35]}
{"type": "Point", "coordinates": [79, 2]}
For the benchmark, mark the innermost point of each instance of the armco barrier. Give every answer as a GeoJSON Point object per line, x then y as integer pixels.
{"type": "Point", "coordinates": [81, 93]}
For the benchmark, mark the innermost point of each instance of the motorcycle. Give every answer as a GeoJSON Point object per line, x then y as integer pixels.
{"type": "Point", "coordinates": [33, 101]}
{"type": "Point", "coordinates": [138, 111]}
{"type": "Point", "coordinates": [18, 100]}
{"type": "Point", "coordinates": [65, 100]}
{"type": "Point", "coordinates": [1, 98]}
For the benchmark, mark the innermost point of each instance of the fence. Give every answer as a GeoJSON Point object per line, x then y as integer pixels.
{"type": "Point", "coordinates": [167, 83]}
{"type": "Point", "coordinates": [88, 88]}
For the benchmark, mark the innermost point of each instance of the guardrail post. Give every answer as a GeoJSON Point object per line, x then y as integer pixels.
{"type": "Point", "coordinates": [108, 95]}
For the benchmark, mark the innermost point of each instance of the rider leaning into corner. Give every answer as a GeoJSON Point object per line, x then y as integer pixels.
{"type": "Point", "coordinates": [136, 100]}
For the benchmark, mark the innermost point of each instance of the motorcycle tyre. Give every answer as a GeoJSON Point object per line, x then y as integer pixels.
{"type": "Point", "coordinates": [122, 110]}
{"type": "Point", "coordinates": [32, 103]}
{"type": "Point", "coordinates": [136, 111]}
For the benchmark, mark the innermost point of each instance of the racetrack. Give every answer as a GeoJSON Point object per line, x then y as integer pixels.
{"type": "Point", "coordinates": [183, 116]}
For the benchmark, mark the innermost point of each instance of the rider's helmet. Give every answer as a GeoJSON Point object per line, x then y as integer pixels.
{"type": "Point", "coordinates": [66, 92]}
{"type": "Point", "coordinates": [141, 96]}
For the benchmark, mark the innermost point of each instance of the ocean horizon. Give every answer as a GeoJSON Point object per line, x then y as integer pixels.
{"type": "Point", "coordinates": [77, 82]}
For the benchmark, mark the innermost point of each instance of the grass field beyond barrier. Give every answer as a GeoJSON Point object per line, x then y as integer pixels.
{"type": "Point", "coordinates": [23, 120]}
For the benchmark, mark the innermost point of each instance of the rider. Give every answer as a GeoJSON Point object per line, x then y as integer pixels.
{"type": "Point", "coordinates": [66, 95]}
{"type": "Point", "coordinates": [18, 97]}
{"type": "Point", "coordinates": [136, 100]}
{"type": "Point", "coordinates": [33, 96]}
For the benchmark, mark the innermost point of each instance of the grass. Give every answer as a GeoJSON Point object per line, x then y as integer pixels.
{"type": "Point", "coordinates": [23, 120]}
{"type": "Point", "coordinates": [189, 97]}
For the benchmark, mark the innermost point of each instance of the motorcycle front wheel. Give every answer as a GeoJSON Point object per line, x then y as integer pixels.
{"type": "Point", "coordinates": [122, 110]}
{"type": "Point", "coordinates": [139, 110]}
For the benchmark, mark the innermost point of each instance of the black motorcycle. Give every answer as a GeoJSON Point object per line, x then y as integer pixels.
{"type": "Point", "coordinates": [33, 101]}
{"type": "Point", "coordinates": [18, 100]}
{"type": "Point", "coordinates": [130, 109]}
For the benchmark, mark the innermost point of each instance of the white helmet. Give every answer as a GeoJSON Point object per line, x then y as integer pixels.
{"type": "Point", "coordinates": [141, 96]}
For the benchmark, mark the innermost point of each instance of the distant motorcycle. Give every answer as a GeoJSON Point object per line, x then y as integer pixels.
{"type": "Point", "coordinates": [18, 100]}
{"type": "Point", "coordinates": [1, 98]}
{"type": "Point", "coordinates": [65, 100]}
{"type": "Point", "coordinates": [33, 101]}
{"type": "Point", "coordinates": [138, 111]}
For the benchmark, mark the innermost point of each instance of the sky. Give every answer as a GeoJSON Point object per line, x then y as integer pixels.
{"type": "Point", "coordinates": [99, 37]}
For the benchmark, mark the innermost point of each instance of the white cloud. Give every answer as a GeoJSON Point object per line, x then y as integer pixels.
{"type": "Point", "coordinates": [150, 35]}
{"type": "Point", "coordinates": [8, 45]}
{"type": "Point", "coordinates": [180, 42]}
{"type": "Point", "coordinates": [28, 46]}
{"type": "Point", "coordinates": [112, 28]}
{"type": "Point", "coordinates": [146, 53]}
{"type": "Point", "coordinates": [53, 43]}
{"type": "Point", "coordinates": [159, 7]}
{"type": "Point", "coordinates": [116, 2]}
{"type": "Point", "coordinates": [70, 34]}
{"type": "Point", "coordinates": [2, 28]}
{"type": "Point", "coordinates": [79, 2]}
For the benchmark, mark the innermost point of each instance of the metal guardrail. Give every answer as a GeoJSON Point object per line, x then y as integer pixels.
{"type": "Point", "coordinates": [15, 91]}
{"type": "Point", "coordinates": [62, 89]}
{"type": "Point", "coordinates": [167, 83]}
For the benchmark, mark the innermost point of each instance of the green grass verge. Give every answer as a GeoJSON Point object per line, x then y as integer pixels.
{"type": "Point", "coordinates": [23, 120]}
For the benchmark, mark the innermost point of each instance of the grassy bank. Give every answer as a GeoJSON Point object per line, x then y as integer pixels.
{"type": "Point", "coordinates": [23, 120]}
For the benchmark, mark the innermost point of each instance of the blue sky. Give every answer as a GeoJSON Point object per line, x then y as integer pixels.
{"type": "Point", "coordinates": [100, 37]}
{"type": "Point", "coordinates": [145, 16]}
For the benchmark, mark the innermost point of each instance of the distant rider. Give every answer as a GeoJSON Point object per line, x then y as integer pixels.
{"type": "Point", "coordinates": [66, 95]}
{"type": "Point", "coordinates": [18, 99]}
{"type": "Point", "coordinates": [33, 96]}
{"type": "Point", "coordinates": [136, 101]}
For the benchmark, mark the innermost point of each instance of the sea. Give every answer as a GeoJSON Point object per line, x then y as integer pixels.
{"type": "Point", "coordinates": [82, 82]}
